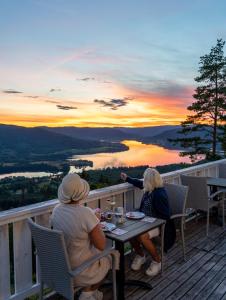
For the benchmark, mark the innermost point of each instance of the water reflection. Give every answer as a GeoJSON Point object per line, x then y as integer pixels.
{"type": "Point", "coordinates": [26, 174]}
{"type": "Point", "coordinates": [137, 155]}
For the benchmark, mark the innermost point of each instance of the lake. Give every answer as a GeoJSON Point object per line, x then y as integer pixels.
{"type": "Point", "coordinates": [137, 155]}
{"type": "Point", "coordinates": [26, 174]}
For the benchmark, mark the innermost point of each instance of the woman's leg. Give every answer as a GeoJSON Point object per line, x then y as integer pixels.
{"type": "Point", "coordinates": [91, 292]}
{"type": "Point", "coordinates": [149, 246]}
{"type": "Point", "coordinates": [136, 244]}
{"type": "Point", "coordinates": [139, 259]}
{"type": "Point", "coordinates": [92, 287]}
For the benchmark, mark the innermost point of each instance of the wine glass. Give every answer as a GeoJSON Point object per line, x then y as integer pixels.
{"type": "Point", "coordinates": [111, 202]}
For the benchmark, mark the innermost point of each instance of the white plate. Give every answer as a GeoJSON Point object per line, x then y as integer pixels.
{"type": "Point", "coordinates": [107, 226]}
{"type": "Point", "coordinates": [135, 215]}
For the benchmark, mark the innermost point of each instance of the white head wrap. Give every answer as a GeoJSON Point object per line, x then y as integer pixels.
{"type": "Point", "coordinates": [73, 188]}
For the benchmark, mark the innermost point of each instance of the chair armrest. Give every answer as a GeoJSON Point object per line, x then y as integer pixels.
{"type": "Point", "coordinates": [178, 216]}
{"type": "Point", "coordinates": [90, 261]}
{"type": "Point", "coordinates": [217, 193]}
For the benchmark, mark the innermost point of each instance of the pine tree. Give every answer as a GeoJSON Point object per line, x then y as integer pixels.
{"type": "Point", "coordinates": [208, 109]}
{"type": "Point", "coordinates": [223, 140]}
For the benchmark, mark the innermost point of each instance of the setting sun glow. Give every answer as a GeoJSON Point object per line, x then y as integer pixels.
{"type": "Point", "coordinates": [102, 64]}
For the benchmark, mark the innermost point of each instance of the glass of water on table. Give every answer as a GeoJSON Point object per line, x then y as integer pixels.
{"type": "Point", "coordinates": [119, 214]}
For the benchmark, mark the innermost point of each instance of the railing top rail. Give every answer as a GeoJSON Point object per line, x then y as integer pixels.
{"type": "Point", "coordinates": [193, 168]}
{"type": "Point", "coordinates": [16, 214]}
{"type": "Point", "coordinates": [32, 210]}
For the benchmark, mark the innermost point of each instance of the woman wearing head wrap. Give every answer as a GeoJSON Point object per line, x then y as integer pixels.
{"type": "Point", "coordinates": [83, 236]}
{"type": "Point", "coordinates": [155, 204]}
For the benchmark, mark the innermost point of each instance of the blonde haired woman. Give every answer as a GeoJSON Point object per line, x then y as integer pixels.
{"type": "Point", "coordinates": [155, 204]}
{"type": "Point", "coordinates": [83, 235]}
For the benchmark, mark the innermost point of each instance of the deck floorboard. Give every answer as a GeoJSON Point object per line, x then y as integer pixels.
{"type": "Point", "coordinates": [202, 276]}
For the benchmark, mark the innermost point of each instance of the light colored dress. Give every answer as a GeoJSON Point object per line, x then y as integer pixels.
{"type": "Point", "coordinates": [76, 222]}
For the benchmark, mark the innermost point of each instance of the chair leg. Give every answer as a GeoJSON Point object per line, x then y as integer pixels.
{"type": "Point", "coordinates": [223, 210]}
{"type": "Point", "coordinates": [182, 237]}
{"type": "Point", "coordinates": [114, 278]}
{"type": "Point", "coordinates": [196, 216]}
{"type": "Point", "coordinates": [208, 220]}
{"type": "Point", "coordinates": [162, 246]}
{"type": "Point", "coordinates": [41, 294]}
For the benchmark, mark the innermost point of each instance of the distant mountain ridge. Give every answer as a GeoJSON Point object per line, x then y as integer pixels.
{"type": "Point", "coordinates": [92, 133]}
{"type": "Point", "coordinates": [162, 139]}
{"type": "Point", "coordinates": [45, 143]}
{"type": "Point", "coordinates": [111, 134]}
{"type": "Point", "coordinates": [149, 131]}
{"type": "Point", "coordinates": [27, 139]}
{"type": "Point", "coordinates": [18, 142]}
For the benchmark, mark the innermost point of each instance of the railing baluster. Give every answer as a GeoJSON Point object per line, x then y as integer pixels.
{"type": "Point", "coordinates": [22, 256]}
{"type": "Point", "coordinates": [5, 263]}
{"type": "Point", "coordinates": [119, 200]}
{"type": "Point", "coordinates": [93, 204]}
{"type": "Point", "coordinates": [105, 203]}
{"type": "Point", "coordinates": [43, 220]}
{"type": "Point", "coordinates": [129, 200]}
{"type": "Point", "coordinates": [137, 197]}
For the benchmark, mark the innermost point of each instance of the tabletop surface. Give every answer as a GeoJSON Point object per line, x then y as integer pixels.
{"type": "Point", "coordinates": [221, 182]}
{"type": "Point", "coordinates": [133, 228]}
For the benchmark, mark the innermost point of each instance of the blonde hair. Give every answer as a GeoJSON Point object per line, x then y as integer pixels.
{"type": "Point", "coordinates": [152, 180]}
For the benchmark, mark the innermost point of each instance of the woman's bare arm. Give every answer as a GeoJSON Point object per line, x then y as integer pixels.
{"type": "Point", "coordinates": [97, 237]}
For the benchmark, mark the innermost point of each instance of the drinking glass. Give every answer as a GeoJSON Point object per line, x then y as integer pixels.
{"type": "Point", "coordinates": [119, 213]}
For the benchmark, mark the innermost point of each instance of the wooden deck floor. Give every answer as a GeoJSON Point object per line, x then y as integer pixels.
{"type": "Point", "coordinates": [202, 276]}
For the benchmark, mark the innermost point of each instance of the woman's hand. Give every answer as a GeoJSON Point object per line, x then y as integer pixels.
{"type": "Point", "coordinates": [123, 176]}
{"type": "Point", "coordinates": [97, 212]}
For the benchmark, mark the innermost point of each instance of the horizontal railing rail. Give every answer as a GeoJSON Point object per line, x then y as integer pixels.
{"type": "Point", "coordinates": [18, 267]}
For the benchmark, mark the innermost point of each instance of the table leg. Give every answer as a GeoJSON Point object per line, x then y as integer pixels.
{"type": "Point", "coordinates": [120, 274]}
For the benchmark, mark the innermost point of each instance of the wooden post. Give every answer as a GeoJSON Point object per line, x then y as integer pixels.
{"type": "Point", "coordinates": [5, 264]}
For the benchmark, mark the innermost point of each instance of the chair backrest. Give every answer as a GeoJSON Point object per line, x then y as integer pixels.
{"type": "Point", "coordinates": [222, 170]}
{"type": "Point", "coordinates": [177, 195]}
{"type": "Point", "coordinates": [197, 192]}
{"type": "Point", "coordinates": [54, 263]}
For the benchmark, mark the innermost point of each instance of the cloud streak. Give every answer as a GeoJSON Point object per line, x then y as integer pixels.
{"type": "Point", "coordinates": [90, 79]}
{"type": "Point", "coordinates": [65, 107]}
{"type": "Point", "coordinates": [113, 104]}
{"type": "Point", "coordinates": [32, 97]}
{"type": "Point", "coordinates": [55, 90]}
{"type": "Point", "coordinates": [11, 91]}
{"type": "Point", "coordinates": [86, 79]}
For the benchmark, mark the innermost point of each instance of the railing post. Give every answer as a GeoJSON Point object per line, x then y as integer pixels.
{"type": "Point", "coordinates": [22, 256]}
{"type": "Point", "coordinates": [5, 263]}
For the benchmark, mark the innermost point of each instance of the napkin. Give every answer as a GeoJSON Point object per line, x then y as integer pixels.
{"type": "Point", "coordinates": [148, 219]}
{"type": "Point", "coordinates": [119, 231]}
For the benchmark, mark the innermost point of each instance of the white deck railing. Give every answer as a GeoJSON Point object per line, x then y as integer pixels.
{"type": "Point", "coordinates": [15, 238]}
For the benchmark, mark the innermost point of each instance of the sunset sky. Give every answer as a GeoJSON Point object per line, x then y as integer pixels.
{"type": "Point", "coordinates": [101, 62]}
